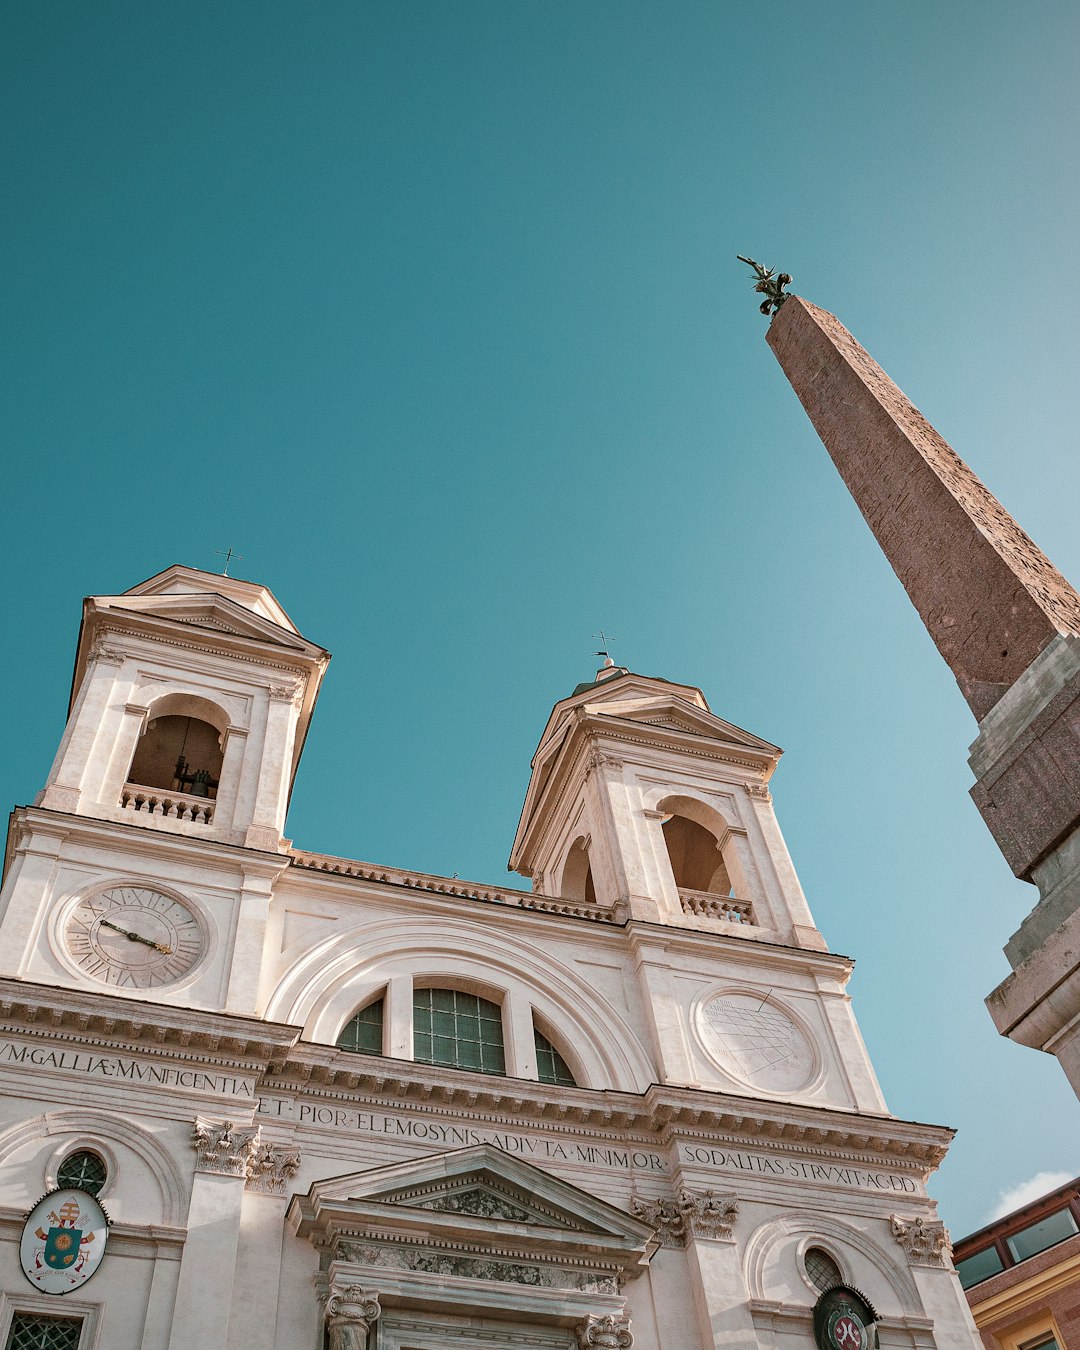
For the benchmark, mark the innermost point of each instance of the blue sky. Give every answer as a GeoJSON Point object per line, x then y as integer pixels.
{"type": "Point", "coordinates": [432, 312]}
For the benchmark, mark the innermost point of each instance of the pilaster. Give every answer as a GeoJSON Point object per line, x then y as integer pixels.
{"type": "Point", "coordinates": [224, 1151]}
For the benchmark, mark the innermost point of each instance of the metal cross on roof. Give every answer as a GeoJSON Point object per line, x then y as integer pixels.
{"type": "Point", "coordinates": [228, 554]}
{"type": "Point", "coordinates": [605, 639]}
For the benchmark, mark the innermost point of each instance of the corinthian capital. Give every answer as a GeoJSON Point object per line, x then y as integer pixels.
{"type": "Point", "coordinates": [926, 1242]}
{"type": "Point", "coordinates": [223, 1147]}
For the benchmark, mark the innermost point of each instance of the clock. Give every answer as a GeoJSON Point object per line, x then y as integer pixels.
{"type": "Point", "coordinates": [134, 937]}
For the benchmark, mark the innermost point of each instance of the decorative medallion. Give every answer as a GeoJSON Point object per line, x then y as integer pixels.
{"type": "Point", "coordinates": [132, 937]}
{"type": "Point", "coordinates": [755, 1041]}
{"type": "Point", "coordinates": [63, 1241]}
{"type": "Point", "coordinates": [843, 1320]}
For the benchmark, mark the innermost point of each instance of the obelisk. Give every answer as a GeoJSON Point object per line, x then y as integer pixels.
{"type": "Point", "coordinates": [1005, 620]}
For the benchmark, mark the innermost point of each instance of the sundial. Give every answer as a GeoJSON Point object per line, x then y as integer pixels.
{"type": "Point", "coordinates": [755, 1041]}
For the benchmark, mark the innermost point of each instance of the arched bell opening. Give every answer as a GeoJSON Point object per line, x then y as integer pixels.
{"type": "Point", "coordinates": [577, 879]}
{"type": "Point", "coordinates": [179, 754]}
{"type": "Point", "coordinates": [694, 853]}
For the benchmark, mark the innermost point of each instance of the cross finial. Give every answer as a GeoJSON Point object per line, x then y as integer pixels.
{"type": "Point", "coordinates": [605, 641]}
{"type": "Point", "coordinates": [228, 554]}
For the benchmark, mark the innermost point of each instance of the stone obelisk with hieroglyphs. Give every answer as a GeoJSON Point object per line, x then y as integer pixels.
{"type": "Point", "coordinates": [1008, 625]}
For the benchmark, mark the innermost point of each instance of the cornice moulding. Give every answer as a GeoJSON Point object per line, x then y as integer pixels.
{"type": "Point", "coordinates": [167, 1240]}
{"type": "Point", "coordinates": [660, 1116]}
{"type": "Point", "coordinates": [143, 1027]}
{"type": "Point", "coordinates": [139, 840]}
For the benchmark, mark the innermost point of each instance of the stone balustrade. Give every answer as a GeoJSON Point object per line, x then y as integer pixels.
{"type": "Point", "coordinates": [466, 890]}
{"type": "Point", "coordinates": [708, 906]}
{"type": "Point", "coordinates": [170, 805]}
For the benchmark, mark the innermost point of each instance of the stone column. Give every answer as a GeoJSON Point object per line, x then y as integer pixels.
{"type": "Point", "coordinates": [926, 1245]}
{"type": "Point", "coordinates": [258, 1276]}
{"type": "Point", "coordinates": [518, 1039]}
{"type": "Point", "coordinates": [27, 888]}
{"type": "Point", "coordinates": [398, 1018]}
{"type": "Point", "coordinates": [205, 1287]}
{"type": "Point", "coordinates": [233, 749]}
{"type": "Point", "coordinates": [351, 1311]}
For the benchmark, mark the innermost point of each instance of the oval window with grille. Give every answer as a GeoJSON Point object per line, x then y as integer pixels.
{"type": "Point", "coordinates": [83, 1171]}
{"type": "Point", "coordinates": [821, 1270]}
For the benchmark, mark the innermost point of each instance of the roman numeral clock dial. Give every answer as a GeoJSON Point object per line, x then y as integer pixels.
{"type": "Point", "coordinates": [132, 937]}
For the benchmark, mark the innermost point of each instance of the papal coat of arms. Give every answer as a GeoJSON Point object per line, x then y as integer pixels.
{"type": "Point", "coordinates": [844, 1320]}
{"type": "Point", "coordinates": [63, 1241]}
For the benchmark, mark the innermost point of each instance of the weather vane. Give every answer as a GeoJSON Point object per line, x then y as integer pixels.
{"type": "Point", "coordinates": [605, 641]}
{"type": "Point", "coordinates": [228, 554]}
{"type": "Point", "coordinates": [768, 284]}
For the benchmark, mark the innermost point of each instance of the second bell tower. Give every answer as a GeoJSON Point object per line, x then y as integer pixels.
{"type": "Point", "coordinates": [643, 798]}
{"type": "Point", "coordinates": [190, 702]}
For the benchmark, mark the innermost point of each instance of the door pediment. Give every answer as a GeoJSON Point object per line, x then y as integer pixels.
{"type": "Point", "coordinates": [487, 1223]}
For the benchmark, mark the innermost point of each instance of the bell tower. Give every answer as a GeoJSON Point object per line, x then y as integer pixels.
{"type": "Point", "coordinates": [643, 799]}
{"type": "Point", "coordinates": [190, 702]}
{"type": "Point", "coordinates": [644, 803]}
{"type": "Point", "coordinates": [146, 866]}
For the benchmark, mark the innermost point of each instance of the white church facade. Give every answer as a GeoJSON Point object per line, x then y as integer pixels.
{"type": "Point", "coordinates": [325, 1103]}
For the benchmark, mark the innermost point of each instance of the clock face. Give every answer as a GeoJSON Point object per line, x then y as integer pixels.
{"type": "Point", "coordinates": [133, 937]}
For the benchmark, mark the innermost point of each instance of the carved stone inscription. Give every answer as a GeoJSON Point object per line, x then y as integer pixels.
{"type": "Point", "coordinates": [124, 1069]}
{"type": "Point", "coordinates": [564, 1148]}
{"type": "Point", "coordinates": [441, 1134]}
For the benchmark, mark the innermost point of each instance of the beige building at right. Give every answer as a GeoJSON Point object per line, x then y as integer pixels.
{"type": "Point", "coordinates": [1008, 624]}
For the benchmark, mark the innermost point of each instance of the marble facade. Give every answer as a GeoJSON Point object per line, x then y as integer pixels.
{"type": "Point", "coordinates": [724, 1121]}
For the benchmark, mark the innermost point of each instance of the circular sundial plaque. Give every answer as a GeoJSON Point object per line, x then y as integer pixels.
{"type": "Point", "coordinates": [755, 1041]}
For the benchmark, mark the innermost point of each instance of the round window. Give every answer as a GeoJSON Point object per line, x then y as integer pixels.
{"type": "Point", "coordinates": [82, 1171]}
{"type": "Point", "coordinates": [821, 1270]}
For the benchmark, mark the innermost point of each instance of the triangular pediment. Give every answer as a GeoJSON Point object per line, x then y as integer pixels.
{"type": "Point", "coordinates": [483, 1195]}
{"type": "Point", "coordinates": [191, 581]}
{"type": "Point", "coordinates": [211, 614]}
{"type": "Point", "coordinates": [669, 713]}
{"type": "Point", "coordinates": [481, 1187]}
{"type": "Point", "coordinates": [641, 712]}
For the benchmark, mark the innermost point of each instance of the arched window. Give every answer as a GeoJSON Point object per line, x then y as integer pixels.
{"type": "Point", "coordinates": [550, 1065]}
{"type": "Point", "coordinates": [458, 1030]}
{"type": "Point", "coordinates": [363, 1031]}
{"type": "Point", "coordinates": [84, 1171]}
{"type": "Point", "coordinates": [821, 1270]}
{"type": "Point", "coordinates": [577, 882]}
{"type": "Point", "coordinates": [179, 754]}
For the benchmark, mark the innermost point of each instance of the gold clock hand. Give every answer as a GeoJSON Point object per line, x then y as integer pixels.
{"type": "Point", "coordinates": [136, 937]}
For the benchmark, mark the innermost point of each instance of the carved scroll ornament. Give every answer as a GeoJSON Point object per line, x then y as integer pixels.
{"type": "Point", "coordinates": [609, 1332]}
{"type": "Point", "coordinates": [351, 1312]}
{"type": "Point", "coordinates": [236, 1151]}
